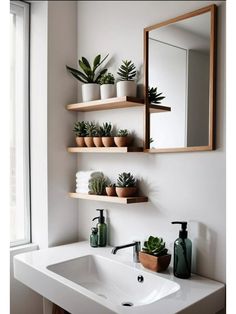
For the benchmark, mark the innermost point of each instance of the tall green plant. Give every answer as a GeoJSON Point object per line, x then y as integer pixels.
{"type": "Point", "coordinates": [89, 74]}
{"type": "Point", "coordinates": [127, 71]}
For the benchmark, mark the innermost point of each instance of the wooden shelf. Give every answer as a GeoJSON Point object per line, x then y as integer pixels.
{"type": "Point", "coordinates": [104, 149]}
{"type": "Point", "coordinates": [110, 199]}
{"type": "Point", "coordinates": [158, 108]}
{"type": "Point", "coordinates": [106, 104]}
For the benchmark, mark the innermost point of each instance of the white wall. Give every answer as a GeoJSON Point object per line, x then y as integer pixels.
{"type": "Point", "coordinates": [183, 186]}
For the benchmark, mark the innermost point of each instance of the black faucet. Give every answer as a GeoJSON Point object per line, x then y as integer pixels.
{"type": "Point", "coordinates": [136, 249]}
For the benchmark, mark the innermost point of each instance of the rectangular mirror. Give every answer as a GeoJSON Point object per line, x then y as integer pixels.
{"type": "Point", "coordinates": [180, 62]}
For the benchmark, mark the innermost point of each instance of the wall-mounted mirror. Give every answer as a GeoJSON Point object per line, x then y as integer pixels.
{"type": "Point", "coordinates": [180, 62]}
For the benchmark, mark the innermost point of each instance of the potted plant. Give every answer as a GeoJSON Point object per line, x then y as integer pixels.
{"type": "Point", "coordinates": [97, 184]}
{"type": "Point", "coordinates": [154, 254]}
{"type": "Point", "coordinates": [107, 138]}
{"type": "Point", "coordinates": [107, 87]}
{"type": "Point", "coordinates": [89, 76]}
{"type": "Point", "coordinates": [111, 189]}
{"type": "Point", "coordinates": [126, 185]}
{"type": "Point", "coordinates": [90, 132]}
{"type": "Point", "coordinates": [97, 138]}
{"type": "Point", "coordinates": [122, 138]}
{"type": "Point", "coordinates": [126, 85]}
{"type": "Point", "coordinates": [80, 133]}
{"type": "Point", "coordinates": [154, 97]}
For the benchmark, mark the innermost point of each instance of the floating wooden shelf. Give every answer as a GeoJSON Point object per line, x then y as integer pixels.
{"type": "Point", "coordinates": [158, 108]}
{"type": "Point", "coordinates": [110, 199]}
{"type": "Point", "coordinates": [106, 104]}
{"type": "Point", "coordinates": [104, 149]}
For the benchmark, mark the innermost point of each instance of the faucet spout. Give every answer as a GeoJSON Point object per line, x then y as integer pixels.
{"type": "Point", "coordinates": [136, 249]}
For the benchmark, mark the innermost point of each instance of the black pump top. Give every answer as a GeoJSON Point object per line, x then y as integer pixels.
{"type": "Point", "coordinates": [101, 218]}
{"type": "Point", "coordinates": [183, 233]}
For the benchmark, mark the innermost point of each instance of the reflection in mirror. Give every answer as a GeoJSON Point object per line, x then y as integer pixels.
{"type": "Point", "coordinates": [179, 66]}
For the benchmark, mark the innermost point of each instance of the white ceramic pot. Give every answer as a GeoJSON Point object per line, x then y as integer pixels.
{"type": "Point", "coordinates": [107, 91]}
{"type": "Point", "coordinates": [126, 88]}
{"type": "Point", "coordinates": [90, 91]}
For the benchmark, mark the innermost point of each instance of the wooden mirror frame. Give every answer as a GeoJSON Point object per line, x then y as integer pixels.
{"type": "Point", "coordinates": [211, 134]}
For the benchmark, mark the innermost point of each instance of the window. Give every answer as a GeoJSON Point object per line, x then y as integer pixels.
{"type": "Point", "coordinates": [19, 138]}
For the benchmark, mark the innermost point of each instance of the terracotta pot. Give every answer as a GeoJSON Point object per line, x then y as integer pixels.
{"type": "Point", "coordinates": [108, 141]}
{"type": "Point", "coordinates": [111, 191]}
{"type": "Point", "coordinates": [121, 141]}
{"type": "Point", "coordinates": [126, 192]}
{"type": "Point", "coordinates": [97, 141]}
{"type": "Point", "coordinates": [89, 141]}
{"type": "Point", "coordinates": [80, 141]}
{"type": "Point", "coordinates": [155, 263]}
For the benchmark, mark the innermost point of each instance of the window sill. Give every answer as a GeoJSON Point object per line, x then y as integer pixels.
{"type": "Point", "coordinates": [23, 248]}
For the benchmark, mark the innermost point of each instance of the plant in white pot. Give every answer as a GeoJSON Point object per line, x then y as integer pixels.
{"type": "Point", "coordinates": [107, 87]}
{"type": "Point", "coordinates": [126, 86]}
{"type": "Point", "coordinates": [90, 77]}
{"type": "Point", "coordinates": [80, 132]}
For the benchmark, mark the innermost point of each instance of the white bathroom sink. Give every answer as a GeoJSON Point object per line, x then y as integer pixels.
{"type": "Point", "coordinates": [115, 282]}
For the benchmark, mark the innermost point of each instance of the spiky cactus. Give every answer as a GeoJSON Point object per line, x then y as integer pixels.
{"type": "Point", "coordinates": [126, 180]}
{"type": "Point", "coordinates": [97, 184]}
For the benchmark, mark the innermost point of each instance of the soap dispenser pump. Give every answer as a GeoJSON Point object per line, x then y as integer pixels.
{"type": "Point", "coordinates": [182, 252]}
{"type": "Point", "coordinates": [102, 229]}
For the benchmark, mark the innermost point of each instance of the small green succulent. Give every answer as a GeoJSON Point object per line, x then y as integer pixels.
{"type": "Point", "coordinates": [153, 96]}
{"type": "Point", "coordinates": [80, 128]}
{"type": "Point", "coordinates": [90, 128]}
{"type": "Point", "coordinates": [111, 185]}
{"type": "Point", "coordinates": [122, 133]}
{"type": "Point", "coordinates": [107, 78]}
{"type": "Point", "coordinates": [106, 129]}
{"type": "Point", "coordinates": [97, 184]}
{"type": "Point", "coordinates": [127, 71]}
{"type": "Point", "coordinates": [155, 246]}
{"type": "Point", "coordinates": [126, 180]}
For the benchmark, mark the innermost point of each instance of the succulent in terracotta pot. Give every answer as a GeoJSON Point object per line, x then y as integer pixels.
{"type": "Point", "coordinates": [97, 138]}
{"type": "Point", "coordinates": [126, 185]}
{"type": "Point", "coordinates": [111, 189]}
{"type": "Point", "coordinates": [80, 132]}
{"type": "Point", "coordinates": [107, 138]}
{"type": "Point", "coordinates": [90, 131]}
{"type": "Point", "coordinates": [154, 254]}
{"type": "Point", "coordinates": [122, 138]}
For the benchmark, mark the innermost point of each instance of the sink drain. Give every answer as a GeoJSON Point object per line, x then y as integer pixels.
{"type": "Point", "coordinates": [127, 304]}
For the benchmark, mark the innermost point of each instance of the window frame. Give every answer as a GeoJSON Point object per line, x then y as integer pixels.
{"type": "Point", "coordinates": [15, 7]}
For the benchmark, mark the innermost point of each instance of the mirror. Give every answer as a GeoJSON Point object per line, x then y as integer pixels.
{"type": "Point", "coordinates": [179, 61]}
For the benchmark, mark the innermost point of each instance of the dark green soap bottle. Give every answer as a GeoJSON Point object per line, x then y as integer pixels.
{"type": "Point", "coordinates": [102, 229]}
{"type": "Point", "coordinates": [182, 252]}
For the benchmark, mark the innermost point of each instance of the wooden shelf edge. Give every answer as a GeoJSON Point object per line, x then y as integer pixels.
{"type": "Point", "coordinates": [105, 149]}
{"type": "Point", "coordinates": [105, 104]}
{"type": "Point", "coordinates": [158, 108]}
{"type": "Point", "coordinates": [110, 199]}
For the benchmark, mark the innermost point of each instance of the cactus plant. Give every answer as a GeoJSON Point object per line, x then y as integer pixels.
{"type": "Point", "coordinates": [90, 128]}
{"type": "Point", "coordinates": [127, 71]}
{"type": "Point", "coordinates": [106, 129]}
{"type": "Point", "coordinates": [153, 96]}
{"type": "Point", "coordinates": [97, 184]}
{"type": "Point", "coordinates": [126, 180]}
{"type": "Point", "coordinates": [107, 78]}
{"type": "Point", "coordinates": [155, 246]}
{"type": "Point", "coordinates": [80, 128]}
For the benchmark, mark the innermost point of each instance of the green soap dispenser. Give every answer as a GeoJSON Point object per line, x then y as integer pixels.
{"type": "Point", "coordinates": [182, 252]}
{"type": "Point", "coordinates": [102, 229]}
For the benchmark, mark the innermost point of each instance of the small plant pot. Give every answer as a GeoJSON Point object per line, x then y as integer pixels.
{"type": "Point", "coordinates": [126, 88]}
{"type": "Point", "coordinates": [89, 141]}
{"type": "Point", "coordinates": [154, 263]}
{"type": "Point", "coordinates": [126, 192]}
{"type": "Point", "coordinates": [111, 191]}
{"type": "Point", "coordinates": [108, 141]}
{"type": "Point", "coordinates": [107, 91]}
{"type": "Point", "coordinates": [80, 141]}
{"type": "Point", "coordinates": [97, 141]}
{"type": "Point", "coordinates": [90, 91]}
{"type": "Point", "coordinates": [121, 141]}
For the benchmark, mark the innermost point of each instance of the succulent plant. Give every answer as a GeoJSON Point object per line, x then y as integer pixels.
{"type": "Point", "coordinates": [153, 96]}
{"type": "Point", "coordinates": [90, 128]}
{"type": "Point", "coordinates": [89, 75]}
{"type": "Point", "coordinates": [154, 246]}
{"type": "Point", "coordinates": [107, 78]}
{"type": "Point", "coordinates": [111, 185]}
{"type": "Point", "coordinates": [126, 180]}
{"type": "Point", "coordinates": [106, 129]}
{"type": "Point", "coordinates": [97, 184]}
{"type": "Point", "coordinates": [127, 71]}
{"type": "Point", "coordinates": [80, 128]}
{"type": "Point", "coordinates": [122, 133]}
